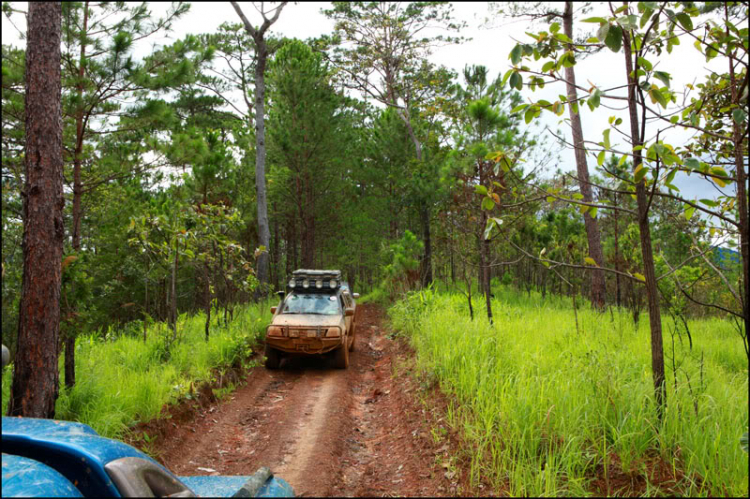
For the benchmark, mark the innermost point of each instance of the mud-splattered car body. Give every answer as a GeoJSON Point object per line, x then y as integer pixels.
{"type": "Point", "coordinates": [316, 316]}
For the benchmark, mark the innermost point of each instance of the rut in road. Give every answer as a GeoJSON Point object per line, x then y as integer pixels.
{"type": "Point", "coordinates": [326, 431]}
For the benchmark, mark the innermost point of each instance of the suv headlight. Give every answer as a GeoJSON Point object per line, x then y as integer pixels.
{"type": "Point", "coordinates": [275, 331]}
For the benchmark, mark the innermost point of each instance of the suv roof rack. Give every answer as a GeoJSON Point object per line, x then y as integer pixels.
{"type": "Point", "coordinates": [336, 274]}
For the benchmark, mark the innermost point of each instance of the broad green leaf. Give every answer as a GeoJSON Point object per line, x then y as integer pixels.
{"type": "Point", "coordinates": [568, 59]}
{"type": "Point", "coordinates": [640, 173]}
{"type": "Point", "coordinates": [717, 170]}
{"type": "Point", "coordinates": [663, 76]}
{"type": "Point", "coordinates": [594, 20]}
{"type": "Point", "coordinates": [685, 21]}
{"type": "Point", "coordinates": [628, 22]}
{"type": "Point", "coordinates": [600, 158]}
{"type": "Point", "coordinates": [693, 163]}
{"type": "Point", "coordinates": [487, 204]}
{"type": "Point", "coordinates": [614, 38]}
{"type": "Point", "coordinates": [529, 115]}
{"type": "Point", "coordinates": [577, 195]}
{"type": "Point", "coordinates": [590, 261]}
{"type": "Point", "coordinates": [515, 54]}
{"type": "Point", "coordinates": [739, 116]}
{"type": "Point", "coordinates": [602, 32]}
{"type": "Point", "coordinates": [480, 189]}
{"type": "Point", "coordinates": [548, 66]}
{"type": "Point", "coordinates": [640, 277]}
{"type": "Point", "coordinates": [709, 202]}
{"type": "Point", "coordinates": [657, 96]}
{"type": "Point", "coordinates": [550, 199]}
{"type": "Point", "coordinates": [518, 108]}
{"type": "Point", "coordinates": [594, 99]}
{"type": "Point", "coordinates": [593, 211]}
{"type": "Point", "coordinates": [689, 212]}
{"type": "Point", "coordinates": [516, 81]}
{"type": "Point", "coordinates": [606, 138]}
{"type": "Point", "coordinates": [645, 64]}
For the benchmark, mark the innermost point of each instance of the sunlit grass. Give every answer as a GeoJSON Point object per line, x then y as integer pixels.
{"type": "Point", "coordinates": [124, 381]}
{"type": "Point", "coordinates": [546, 407]}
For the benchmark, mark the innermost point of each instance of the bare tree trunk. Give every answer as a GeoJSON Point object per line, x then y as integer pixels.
{"type": "Point", "coordinates": [36, 376]}
{"type": "Point", "coordinates": [264, 234]}
{"type": "Point", "coordinates": [654, 314]}
{"type": "Point", "coordinates": [173, 294]}
{"type": "Point", "coordinates": [424, 216]}
{"type": "Point", "coordinates": [207, 298]}
{"type": "Point", "coordinates": [592, 228]}
{"type": "Point", "coordinates": [742, 203]}
{"type": "Point", "coordinates": [261, 58]}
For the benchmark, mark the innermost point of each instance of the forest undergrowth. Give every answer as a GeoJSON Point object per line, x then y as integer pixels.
{"type": "Point", "coordinates": [123, 380]}
{"type": "Point", "coordinates": [548, 404]}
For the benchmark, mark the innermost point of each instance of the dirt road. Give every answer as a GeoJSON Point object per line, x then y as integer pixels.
{"type": "Point", "coordinates": [328, 432]}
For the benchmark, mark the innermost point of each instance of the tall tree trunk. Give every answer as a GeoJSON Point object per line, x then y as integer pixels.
{"type": "Point", "coordinates": [424, 216]}
{"type": "Point", "coordinates": [36, 377]}
{"type": "Point", "coordinates": [70, 341]}
{"type": "Point", "coordinates": [642, 199]}
{"type": "Point", "coordinates": [598, 291]}
{"type": "Point", "coordinates": [742, 202]}
{"type": "Point", "coordinates": [207, 297]}
{"type": "Point", "coordinates": [261, 54]}
{"type": "Point", "coordinates": [173, 294]}
{"type": "Point", "coordinates": [276, 248]}
{"type": "Point", "coordinates": [264, 235]}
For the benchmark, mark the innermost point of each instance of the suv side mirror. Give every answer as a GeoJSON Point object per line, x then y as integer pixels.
{"type": "Point", "coordinates": [281, 294]}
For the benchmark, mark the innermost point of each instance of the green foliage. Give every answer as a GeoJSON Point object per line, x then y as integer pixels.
{"type": "Point", "coordinates": [543, 407]}
{"type": "Point", "coordinates": [122, 380]}
{"type": "Point", "coordinates": [402, 274]}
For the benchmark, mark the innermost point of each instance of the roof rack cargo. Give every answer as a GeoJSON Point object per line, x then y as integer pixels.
{"type": "Point", "coordinates": [315, 280]}
{"type": "Point", "coordinates": [336, 274]}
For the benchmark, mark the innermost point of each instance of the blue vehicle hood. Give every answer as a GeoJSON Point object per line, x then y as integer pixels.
{"type": "Point", "coordinates": [75, 454]}
{"type": "Point", "coordinates": [226, 486]}
{"type": "Point", "coordinates": [73, 449]}
{"type": "Point", "coordinates": [24, 477]}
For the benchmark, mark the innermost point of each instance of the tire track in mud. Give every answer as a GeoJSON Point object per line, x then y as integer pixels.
{"type": "Point", "coordinates": [328, 432]}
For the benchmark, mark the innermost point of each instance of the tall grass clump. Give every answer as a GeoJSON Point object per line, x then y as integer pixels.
{"type": "Point", "coordinates": [123, 381]}
{"type": "Point", "coordinates": [548, 406]}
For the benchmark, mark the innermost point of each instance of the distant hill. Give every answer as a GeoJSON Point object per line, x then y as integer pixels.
{"type": "Point", "coordinates": [725, 257]}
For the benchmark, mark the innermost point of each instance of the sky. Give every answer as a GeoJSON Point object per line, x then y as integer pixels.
{"type": "Point", "coordinates": [489, 45]}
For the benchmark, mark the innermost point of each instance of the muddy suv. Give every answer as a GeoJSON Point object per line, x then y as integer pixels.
{"type": "Point", "coordinates": [316, 316]}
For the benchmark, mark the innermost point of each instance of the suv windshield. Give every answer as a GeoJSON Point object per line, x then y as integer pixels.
{"type": "Point", "coordinates": [312, 304]}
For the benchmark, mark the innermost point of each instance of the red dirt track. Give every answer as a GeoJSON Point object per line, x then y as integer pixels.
{"type": "Point", "coordinates": [328, 432]}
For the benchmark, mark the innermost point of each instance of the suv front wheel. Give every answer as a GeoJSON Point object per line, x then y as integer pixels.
{"type": "Point", "coordinates": [273, 358]}
{"type": "Point", "coordinates": [341, 356]}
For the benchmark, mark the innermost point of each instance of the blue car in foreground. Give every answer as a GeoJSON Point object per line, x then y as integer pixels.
{"type": "Point", "coordinates": [49, 458]}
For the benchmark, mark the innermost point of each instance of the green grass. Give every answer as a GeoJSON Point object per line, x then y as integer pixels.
{"type": "Point", "coordinates": [125, 381]}
{"type": "Point", "coordinates": [545, 408]}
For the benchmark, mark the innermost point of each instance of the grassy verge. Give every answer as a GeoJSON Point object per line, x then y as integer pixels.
{"type": "Point", "coordinates": [124, 381]}
{"type": "Point", "coordinates": [551, 410]}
